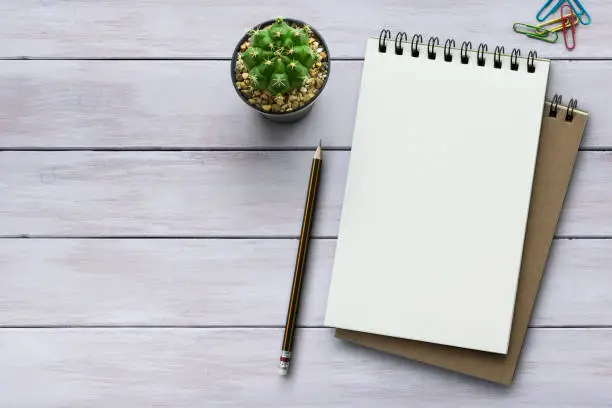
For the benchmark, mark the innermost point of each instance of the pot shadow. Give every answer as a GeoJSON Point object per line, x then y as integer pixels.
{"type": "Point", "coordinates": [295, 134]}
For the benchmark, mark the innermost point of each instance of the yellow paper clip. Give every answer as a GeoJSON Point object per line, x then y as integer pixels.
{"type": "Point", "coordinates": [573, 22]}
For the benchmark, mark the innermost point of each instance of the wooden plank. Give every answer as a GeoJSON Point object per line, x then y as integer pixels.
{"type": "Point", "coordinates": [215, 193]}
{"type": "Point", "coordinates": [117, 104]}
{"type": "Point", "coordinates": [144, 282]}
{"type": "Point", "coordinates": [191, 104]}
{"type": "Point", "coordinates": [570, 282]}
{"type": "Point", "coordinates": [222, 367]}
{"type": "Point", "coordinates": [188, 28]}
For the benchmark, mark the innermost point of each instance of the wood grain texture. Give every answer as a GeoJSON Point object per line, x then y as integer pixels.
{"type": "Point", "coordinates": [77, 104]}
{"type": "Point", "coordinates": [190, 28]}
{"type": "Point", "coordinates": [138, 282]}
{"type": "Point", "coordinates": [219, 367]}
{"type": "Point", "coordinates": [191, 104]}
{"type": "Point", "coordinates": [215, 193]}
{"type": "Point", "coordinates": [157, 103]}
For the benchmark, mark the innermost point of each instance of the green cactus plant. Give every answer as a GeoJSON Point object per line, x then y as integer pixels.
{"type": "Point", "coordinates": [279, 57]}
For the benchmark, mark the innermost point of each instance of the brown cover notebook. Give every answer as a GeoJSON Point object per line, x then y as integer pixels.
{"type": "Point", "coordinates": [559, 143]}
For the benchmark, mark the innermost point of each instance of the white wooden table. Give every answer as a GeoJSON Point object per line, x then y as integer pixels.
{"type": "Point", "coordinates": [149, 220]}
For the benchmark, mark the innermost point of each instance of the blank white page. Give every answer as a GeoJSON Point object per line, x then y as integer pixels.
{"type": "Point", "coordinates": [437, 198]}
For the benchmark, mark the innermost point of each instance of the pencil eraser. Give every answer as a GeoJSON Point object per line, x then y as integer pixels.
{"type": "Point", "coordinates": [282, 371]}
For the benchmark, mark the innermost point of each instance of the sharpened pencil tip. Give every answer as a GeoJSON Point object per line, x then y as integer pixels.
{"type": "Point", "coordinates": [317, 154]}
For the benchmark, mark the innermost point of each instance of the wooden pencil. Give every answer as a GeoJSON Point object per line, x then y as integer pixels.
{"type": "Point", "coordinates": [300, 263]}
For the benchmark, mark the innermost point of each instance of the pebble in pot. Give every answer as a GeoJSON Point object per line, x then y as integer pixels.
{"type": "Point", "coordinates": [280, 68]}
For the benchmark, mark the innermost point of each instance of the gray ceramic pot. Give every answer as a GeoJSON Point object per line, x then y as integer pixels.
{"type": "Point", "coordinates": [281, 116]}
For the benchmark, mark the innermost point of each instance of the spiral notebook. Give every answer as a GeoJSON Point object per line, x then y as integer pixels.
{"type": "Point", "coordinates": [437, 192]}
{"type": "Point", "coordinates": [562, 130]}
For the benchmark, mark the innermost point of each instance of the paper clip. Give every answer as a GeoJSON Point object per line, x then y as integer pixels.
{"type": "Point", "coordinates": [569, 29]}
{"type": "Point", "coordinates": [528, 29]}
{"type": "Point", "coordinates": [546, 5]}
{"type": "Point", "coordinates": [535, 32]}
{"type": "Point", "coordinates": [573, 22]}
{"type": "Point", "coordinates": [580, 11]}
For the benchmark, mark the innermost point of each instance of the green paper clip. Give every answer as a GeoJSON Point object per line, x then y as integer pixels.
{"type": "Point", "coordinates": [535, 32]}
{"type": "Point", "coordinates": [527, 29]}
{"type": "Point", "coordinates": [548, 36]}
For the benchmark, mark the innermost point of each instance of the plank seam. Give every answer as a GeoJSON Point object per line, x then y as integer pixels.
{"type": "Point", "coordinates": [174, 149]}
{"type": "Point", "coordinates": [226, 59]}
{"type": "Point", "coordinates": [240, 327]}
{"type": "Point", "coordinates": [233, 237]}
{"type": "Point", "coordinates": [209, 149]}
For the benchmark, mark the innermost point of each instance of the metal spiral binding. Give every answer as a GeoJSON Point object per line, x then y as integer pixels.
{"type": "Point", "coordinates": [398, 47]}
{"type": "Point", "coordinates": [573, 104]}
{"type": "Point", "coordinates": [414, 48]}
{"type": "Point", "coordinates": [554, 107]}
{"type": "Point", "coordinates": [516, 53]}
{"type": "Point", "coordinates": [480, 59]}
{"type": "Point", "coordinates": [466, 46]}
{"type": "Point", "coordinates": [530, 61]}
{"type": "Point", "coordinates": [450, 43]}
{"type": "Point", "coordinates": [382, 40]}
{"type": "Point", "coordinates": [497, 57]}
{"type": "Point", "coordinates": [431, 47]}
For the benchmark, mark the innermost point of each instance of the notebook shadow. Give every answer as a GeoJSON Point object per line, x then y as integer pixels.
{"type": "Point", "coordinates": [428, 372]}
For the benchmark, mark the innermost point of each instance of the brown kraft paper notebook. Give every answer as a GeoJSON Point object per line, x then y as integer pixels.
{"type": "Point", "coordinates": [558, 146]}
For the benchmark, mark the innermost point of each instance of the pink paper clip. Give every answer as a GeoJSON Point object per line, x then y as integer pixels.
{"type": "Point", "coordinates": [569, 29]}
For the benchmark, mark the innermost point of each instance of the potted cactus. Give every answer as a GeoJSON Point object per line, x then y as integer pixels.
{"type": "Point", "coordinates": [280, 67]}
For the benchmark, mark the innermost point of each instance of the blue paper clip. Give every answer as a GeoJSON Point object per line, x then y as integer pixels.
{"type": "Point", "coordinates": [580, 11]}
{"type": "Point", "coordinates": [554, 8]}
